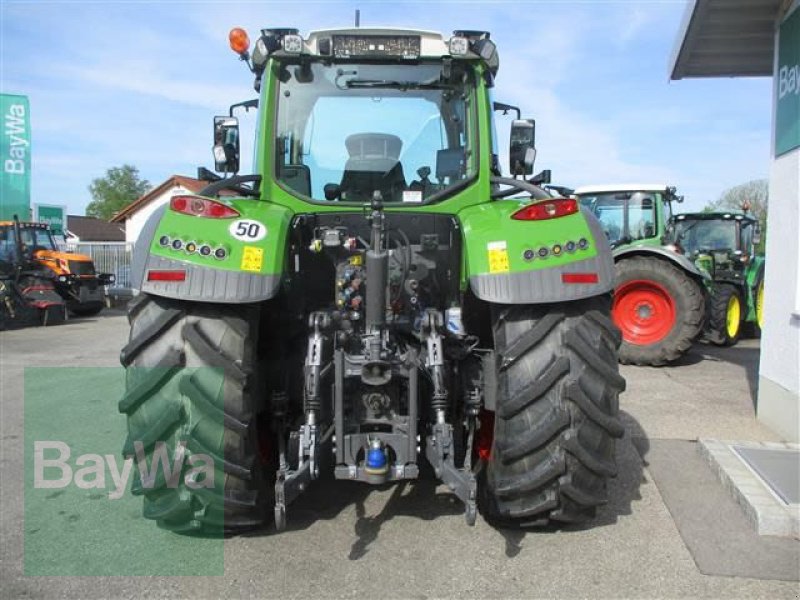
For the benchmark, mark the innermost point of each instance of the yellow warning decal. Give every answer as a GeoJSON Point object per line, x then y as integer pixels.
{"type": "Point", "coordinates": [357, 260]}
{"type": "Point", "coordinates": [252, 259]}
{"type": "Point", "coordinates": [497, 252]}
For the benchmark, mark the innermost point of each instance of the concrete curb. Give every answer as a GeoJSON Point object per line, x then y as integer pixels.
{"type": "Point", "coordinates": [768, 514]}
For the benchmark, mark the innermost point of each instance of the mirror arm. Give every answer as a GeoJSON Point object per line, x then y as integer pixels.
{"type": "Point", "coordinates": [517, 185]}
{"type": "Point", "coordinates": [234, 184]}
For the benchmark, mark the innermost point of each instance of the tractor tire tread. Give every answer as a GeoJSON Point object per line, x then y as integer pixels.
{"type": "Point", "coordinates": [557, 407]}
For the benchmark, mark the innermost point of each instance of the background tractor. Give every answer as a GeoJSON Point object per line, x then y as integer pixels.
{"type": "Point", "coordinates": [660, 295]}
{"type": "Point", "coordinates": [723, 244]}
{"type": "Point", "coordinates": [31, 260]}
{"type": "Point", "coordinates": [371, 301]}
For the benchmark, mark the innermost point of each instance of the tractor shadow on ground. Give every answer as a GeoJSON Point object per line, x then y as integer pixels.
{"type": "Point", "coordinates": [426, 499]}
{"type": "Point", "coordinates": [745, 356]}
{"type": "Point", "coordinates": [623, 490]}
{"type": "Point", "coordinates": [328, 498]}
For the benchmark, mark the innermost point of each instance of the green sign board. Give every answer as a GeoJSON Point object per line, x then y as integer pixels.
{"type": "Point", "coordinates": [787, 110]}
{"type": "Point", "coordinates": [15, 157]}
{"type": "Point", "coordinates": [55, 216]}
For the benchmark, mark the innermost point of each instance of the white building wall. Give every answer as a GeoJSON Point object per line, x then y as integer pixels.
{"type": "Point", "coordinates": [779, 370]}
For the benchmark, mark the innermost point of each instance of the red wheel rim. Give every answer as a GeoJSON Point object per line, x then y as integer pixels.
{"type": "Point", "coordinates": [644, 311]}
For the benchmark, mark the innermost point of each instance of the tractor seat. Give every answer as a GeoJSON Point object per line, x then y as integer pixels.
{"type": "Point", "coordinates": [373, 164]}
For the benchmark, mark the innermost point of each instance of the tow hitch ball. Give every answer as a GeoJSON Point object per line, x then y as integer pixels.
{"type": "Point", "coordinates": [376, 463]}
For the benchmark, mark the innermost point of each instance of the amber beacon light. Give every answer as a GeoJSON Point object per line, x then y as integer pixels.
{"type": "Point", "coordinates": [239, 40]}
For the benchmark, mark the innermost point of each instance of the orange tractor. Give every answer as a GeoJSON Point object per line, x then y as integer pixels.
{"type": "Point", "coordinates": [39, 282]}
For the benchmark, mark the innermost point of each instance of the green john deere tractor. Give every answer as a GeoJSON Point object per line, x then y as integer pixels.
{"type": "Point", "coordinates": [660, 295]}
{"type": "Point", "coordinates": [371, 299]}
{"type": "Point", "coordinates": [723, 244]}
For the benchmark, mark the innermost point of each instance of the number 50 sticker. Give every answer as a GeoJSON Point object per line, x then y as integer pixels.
{"type": "Point", "coordinates": [247, 230]}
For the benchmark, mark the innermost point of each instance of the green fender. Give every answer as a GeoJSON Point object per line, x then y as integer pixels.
{"type": "Point", "coordinates": [509, 261]}
{"type": "Point", "coordinates": [248, 268]}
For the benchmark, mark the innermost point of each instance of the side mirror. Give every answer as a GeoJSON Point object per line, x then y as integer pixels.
{"type": "Point", "coordinates": [226, 144]}
{"type": "Point", "coordinates": [757, 234]}
{"type": "Point", "coordinates": [522, 150]}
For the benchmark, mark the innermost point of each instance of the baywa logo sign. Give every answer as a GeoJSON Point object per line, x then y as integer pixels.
{"type": "Point", "coordinates": [15, 157]}
{"type": "Point", "coordinates": [98, 497]}
{"type": "Point", "coordinates": [787, 82]}
{"type": "Point", "coordinates": [89, 470]}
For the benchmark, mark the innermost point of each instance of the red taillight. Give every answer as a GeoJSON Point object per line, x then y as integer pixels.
{"type": "Point", "coordinates": [547, 209]}
{"type": "Point", "coordinates": [201, 207]}
{"type": "Point", "coordinates": [579, 278]}
{"type": "Point", "coordinates": [166, 276]}
{"type": "Point", "coordinates": [485, 436]}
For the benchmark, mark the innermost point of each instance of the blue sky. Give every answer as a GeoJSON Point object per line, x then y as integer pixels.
{"type": "Point", "coordinates": [139, 82]}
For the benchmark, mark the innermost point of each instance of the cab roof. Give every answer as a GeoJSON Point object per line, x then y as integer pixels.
{"type": "Point", "coordinates": [621, 187]}
{"type": "Point", "coordinates": [714, 216]}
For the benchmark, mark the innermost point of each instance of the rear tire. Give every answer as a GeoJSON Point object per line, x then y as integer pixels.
{"type": "Point", "coordinates": [659, 309]}
{"type": "Point", "coordinates": [193, 378]}
{"type": "Point", "coordinates": [557, 413]}
{"type": "Point", "coordinates": [725, 315]}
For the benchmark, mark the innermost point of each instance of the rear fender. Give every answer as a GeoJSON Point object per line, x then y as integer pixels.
{"type": "Point", "coordinates": [505, 259]}
{"type": "Point", "coordinates": [250, 271]}
{"type": "Point", "coordinates": [677, 259]}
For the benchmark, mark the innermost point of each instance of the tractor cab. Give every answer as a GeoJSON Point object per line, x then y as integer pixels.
{"type": "Point", "coordinates": [359, 112]}
{"type": "Point", "coordinates": [631, 214]}
{"type": "Point", "coordinates": [722, 244]}
{"type": "Point", "coordinates": [33, 237]}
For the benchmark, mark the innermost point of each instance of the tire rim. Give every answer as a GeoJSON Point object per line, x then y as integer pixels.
{"type": "Point", "coordinates": [644, 311]}
{"type": "Point", "coordinates": [733, 316]}
{"type": "Point", "coordinates": [760, 305]}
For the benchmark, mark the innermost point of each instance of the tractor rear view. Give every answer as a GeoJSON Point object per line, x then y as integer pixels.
{"type": "Point", "coordinates": [723, 244]}
{"type": "Point", "coordinates": [660, 295]}
{"type": "Point", "coordinates": [370, 301]}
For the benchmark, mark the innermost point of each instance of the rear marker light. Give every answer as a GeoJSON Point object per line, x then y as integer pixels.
{"type": "Point", "coordinates": [177, 244]}
{"type": "Point", "coordinates": [570, 246]}
{"type": "Point", "coordinates": [205, 250]}
{"type": "Point", "coordinates": [529, 254]}
{"type": "Point", "coordinates": [197, 206]}
{"type": "Point", "coordinates": [543, 252]}
{"type": "Point", "coordinates": [548, 209]}
{"type": "Point", "coordinates": [579, 278]}
{"type": "Point", "coordinates": [166, 276]}
{"type": "Point", "coordinates": [220, 253]}
{"type": "Point", "coordinates": [583, 243]}
{"type": "Point", "coordinates": [163, 240]}
{"type": "Point", "coordinates": [191, 247]}
{"type": "Point", "coordinates": [556, 249]}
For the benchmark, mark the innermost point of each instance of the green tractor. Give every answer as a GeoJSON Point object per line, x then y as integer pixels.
{"type": "Point", "coordinates": [660, 296]}
{"type": "Point", "coordinates": [371, 302]}
{"type": "Point", "coordinates": [723, 244]}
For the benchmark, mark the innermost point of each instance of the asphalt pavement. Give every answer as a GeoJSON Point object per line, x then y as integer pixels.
{"type": "Point", "coordinates": [410, 541]}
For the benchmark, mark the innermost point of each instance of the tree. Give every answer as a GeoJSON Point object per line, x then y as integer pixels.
{"type": "Point", "coordinates": [755, 192]}
{"type": "Point", "coordinates": [110, 194]}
